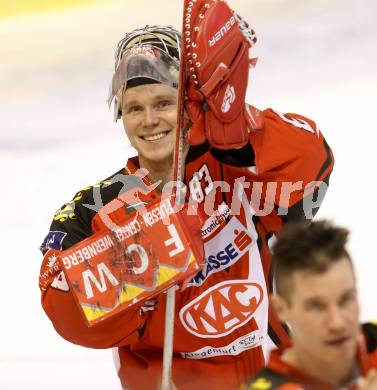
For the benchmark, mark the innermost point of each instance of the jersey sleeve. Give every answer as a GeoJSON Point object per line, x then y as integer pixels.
{"type": "Point", "coordinates": [291, 151]}
{"type": "Point", "coordinates": [71, 224]}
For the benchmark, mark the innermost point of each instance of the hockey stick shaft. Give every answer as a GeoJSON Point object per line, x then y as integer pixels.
{"type": "Point", "coordinates": [168, 341]}
{"type": "Point", "coordinates": [178, 170]}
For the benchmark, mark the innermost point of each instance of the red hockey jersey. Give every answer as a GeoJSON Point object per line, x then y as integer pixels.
{"type": "Point", "coordinates": [224, 326]}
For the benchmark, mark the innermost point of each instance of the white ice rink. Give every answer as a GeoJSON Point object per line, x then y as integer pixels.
{"type": "Point", "coordinates": [316, 57]}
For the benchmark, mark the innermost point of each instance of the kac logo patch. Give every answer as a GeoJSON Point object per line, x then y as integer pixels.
{"type": "Point", "coordinates": [53, 240]}
{"type": "Point", "coordinates": [222, 308]}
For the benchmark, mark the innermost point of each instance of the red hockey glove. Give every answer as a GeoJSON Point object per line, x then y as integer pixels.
{"type": "Point", "coordinates": [216, 43]}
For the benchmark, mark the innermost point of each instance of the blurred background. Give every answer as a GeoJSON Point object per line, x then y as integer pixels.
{"type": "Point", "coordinates": [317, 58]}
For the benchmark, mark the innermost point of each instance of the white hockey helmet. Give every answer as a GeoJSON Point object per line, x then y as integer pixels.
{"type": "Point", "coordinates": [147, 55]}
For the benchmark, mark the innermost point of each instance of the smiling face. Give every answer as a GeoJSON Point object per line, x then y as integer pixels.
{"type": "Point", "coordinates": [149, 114]}
{"type": "Point", "coordinates": [323, 314]}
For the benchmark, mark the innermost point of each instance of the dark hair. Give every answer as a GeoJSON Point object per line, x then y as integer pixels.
{"type": "Point", "coordinates": [307, 247]}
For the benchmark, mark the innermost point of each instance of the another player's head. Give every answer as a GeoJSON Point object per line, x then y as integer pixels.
{"type": "Point", "coordinates": [144, 90]}
{"type": "Point", "coordinates": [316, 294]}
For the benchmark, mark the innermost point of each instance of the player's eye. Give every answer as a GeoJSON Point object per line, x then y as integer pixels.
{"type": "Point", "coordinates": [315, 306]}
{"type": "Point", "coordinates": [163, 104]}
{"type": "Point", "coordinates": [135, 108]}
{"type": "Point", "coordinates": [347, 298]}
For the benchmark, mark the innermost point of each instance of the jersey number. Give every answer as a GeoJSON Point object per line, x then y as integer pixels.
{"type": "Point", "coordinates": [197, 191]}
{"type": "Point", "coordinates": [300, 123]}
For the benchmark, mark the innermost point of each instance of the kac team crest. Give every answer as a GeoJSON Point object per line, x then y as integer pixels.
{"type": "Point", "coordinates": [222, 308]}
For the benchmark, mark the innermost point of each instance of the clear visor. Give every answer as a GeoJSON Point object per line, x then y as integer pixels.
{"type": "Point", "coordinates": [143, 62]}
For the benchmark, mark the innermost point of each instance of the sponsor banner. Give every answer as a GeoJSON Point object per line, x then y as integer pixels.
{"type": "Point", "coordinates": [112, 270]}
{"type": "Point", "coordinates": [224, 250]}
{"type": "Point", "coordinates": [53, 240]}
{"type": "Point", "coordinates": [250, 340]}
{"type": "Point", "coordinates": [223, 308]}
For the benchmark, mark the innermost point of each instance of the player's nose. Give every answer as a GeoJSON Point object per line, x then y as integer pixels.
{"type": "Point", "coordinates": [336, 319]}
{"type": "Point", "coordinates": [151, 118]}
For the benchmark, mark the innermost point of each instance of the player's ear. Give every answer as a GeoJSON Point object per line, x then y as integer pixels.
{"type": "Point", "coordinates": [281, 306]}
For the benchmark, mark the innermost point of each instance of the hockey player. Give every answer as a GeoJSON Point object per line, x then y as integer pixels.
{"type": "Point", "coordinates": [316, 295]}
{"type": "Point", "coordinates": [224, 326]}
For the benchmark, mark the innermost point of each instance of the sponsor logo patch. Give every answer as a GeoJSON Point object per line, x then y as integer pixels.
{"type": "Point", "coordinates": [53, 240]}
{"type": "Point", "coordinates": [217, 220]}
{"type": "Point", "coordinates": [243, 343]}
{"type": "Point", "coordinates": [224, 250]}
{"type": "Point", "coordinates": [222, 308]}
